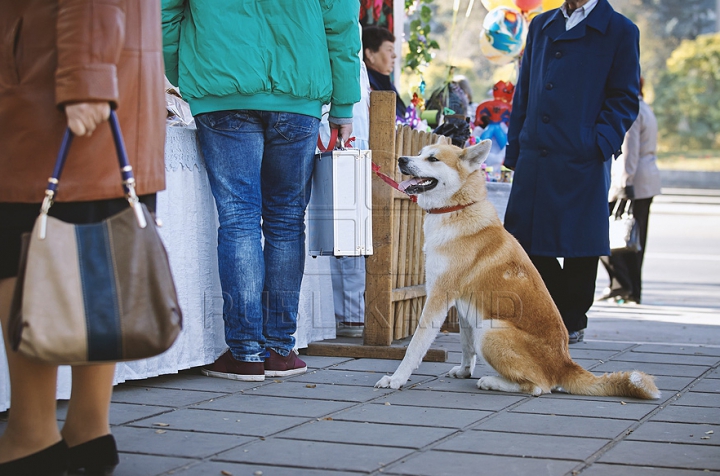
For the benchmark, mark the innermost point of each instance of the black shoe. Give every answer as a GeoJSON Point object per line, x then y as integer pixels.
{"type": "Point", "coordinates": [613, 294]}
{"type": "Point", "coordinates": [96, 457]}
{"type": "Point", "coordinates": [576, 336]}
{"type": "Point", "coordinates": [52, 461]}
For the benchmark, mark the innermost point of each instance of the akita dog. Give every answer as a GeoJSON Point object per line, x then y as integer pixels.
{"type": "Point", "coordinates": [471, 262]}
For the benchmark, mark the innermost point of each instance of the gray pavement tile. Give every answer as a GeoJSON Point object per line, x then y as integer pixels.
{"type": "Point", "coordinates": [211, 421]}
{"type": "Point", "coordinates": [160, 396]}
{"type": "Point", "coordinates": [412, 416]}
{"type": "Point", "coordinates": [665, 396]}
{"type": "Point", "coordinates": [663, 455]}
{"type": "Point", "coordinates": [677, 359]}
{"type": "Point", "coordinates": [617, 470]}
{"type": "Point", "coordinates": [707, 385]}
{"type": "Point", "coordinates": [299, 407]}
{"type": "Point", "coordinates": [123, 413]}
{"type": "Point", "coordinates": [585, 408]}
{"type": "Point", "coordinates": [590, 344]}
{"type": "Point", "coordinates": [194, 381]}
{"type": "Point", "coordinates": [445, 341]}
{"type": "Point", "coordinates": [345, 393]}
{"type": "Point", "coordinates": [714, 374]}
{"type": "Point", "coordinates": [518, 444]}
{"type": "Point", "coordinates": [466, 401]}
{"type": "Point", "coordinates": [334, 431]}
{"type": "Point", "coordinates": [384, 366]}
{"type": "Point", "coordinates": [314, 454]}
{"type": "Point", "coordinates": [557, 425]}
{"type": "Point", "coordinates": [581, 353]}
{"type": "Point", "coordinates": [699, 399]}
{"type": "Point", "coordinates": [678, 349]}
{"type": "Point", "coordinates": [454, 358]}
{"type": "Point", "coordinates": [588, 363]}
{"type": "Point", "coordinates": [206, 468]}
{"type": "Point", "coordinates": [167, 442]}
{"type": "Point", "coordinates": [461, 385]}
{"type": "Point", "coordinates": [445, 463]}
{"type": "Point", "coordinates": [679, 414]}
{"type": "Point", "coordinates": [321, 362]}
{"type": "Point", "coordinates": [675, 384]}
{"type": "Point", "coordinates": [348, 377]}
{"type": "Point", "coordinates": [146, 465]}
{"type": "Point", "coordinates": [690, 433]}
{"type": "Point", "coordinates": [653, 368]}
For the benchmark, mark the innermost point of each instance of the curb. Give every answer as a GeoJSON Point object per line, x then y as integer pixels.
{"type": "Point", "coordinates": [689, 179]}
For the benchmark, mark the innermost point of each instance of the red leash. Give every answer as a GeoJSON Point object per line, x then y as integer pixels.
{"type": "Point", "coordinates": [376, 168]}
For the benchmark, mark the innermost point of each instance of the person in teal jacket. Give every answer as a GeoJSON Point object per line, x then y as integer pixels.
{"type": "Point", "coordinates": [256, 75]}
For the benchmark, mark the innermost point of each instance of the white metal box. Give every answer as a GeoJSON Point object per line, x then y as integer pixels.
{"type": "Point", "coordinates": [340, 208]}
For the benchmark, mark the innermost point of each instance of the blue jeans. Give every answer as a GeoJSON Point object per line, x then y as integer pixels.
{"type": "Point", "coordinates": [260, 166]}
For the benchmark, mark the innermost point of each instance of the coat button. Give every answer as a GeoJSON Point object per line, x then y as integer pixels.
{"type": "Point", "coordinates": [543, 152]}
{"type": "Point", "coordinates": [546, 119]}
{"type": "Point", "coordinates": [549, 86]}
{"type": "Point", "coordinates": [558, 54]}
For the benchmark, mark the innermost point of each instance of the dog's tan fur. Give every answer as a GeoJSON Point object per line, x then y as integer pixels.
{"type": "Point", "coordinates": [477, 266]}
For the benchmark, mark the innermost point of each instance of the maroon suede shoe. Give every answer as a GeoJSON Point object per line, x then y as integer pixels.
{"type": "Point", "coordinates": [278, 366]}
{"type": "Point", "coordinates": [226, 366]}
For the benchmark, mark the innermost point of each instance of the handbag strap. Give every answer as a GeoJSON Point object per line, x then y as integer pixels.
{"type": "Point", "coordinates": [623, 208]}
{"type": "Point", "coordinates": [128, 179]}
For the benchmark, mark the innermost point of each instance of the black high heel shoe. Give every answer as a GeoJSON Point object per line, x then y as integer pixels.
{"type": "Point", "coordinates": [96, 457]}
{"type": "Point", "coordinates": [52, 461]}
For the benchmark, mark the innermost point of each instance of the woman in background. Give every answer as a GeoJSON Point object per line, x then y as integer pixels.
{"type": "Point", "coordinates": [379, 57]}
{"type": "Point", "coordinates": [635, 177]}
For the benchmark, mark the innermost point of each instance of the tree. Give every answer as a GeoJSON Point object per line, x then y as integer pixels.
{"type": "Point", "coordinates": [687, 101]}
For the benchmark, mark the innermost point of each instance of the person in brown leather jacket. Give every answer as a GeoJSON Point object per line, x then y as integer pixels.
{"type": "Point", "coordinates": [70, 61]}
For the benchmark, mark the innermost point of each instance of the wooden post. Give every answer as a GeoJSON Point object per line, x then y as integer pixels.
{"type": "Point", "coordinates": [378, 287]}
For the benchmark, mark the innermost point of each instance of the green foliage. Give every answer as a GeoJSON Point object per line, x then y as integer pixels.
{"type": "Point", "coordinates": [420, 45]}
{"type": "Point", "coordinates": [687, 98]}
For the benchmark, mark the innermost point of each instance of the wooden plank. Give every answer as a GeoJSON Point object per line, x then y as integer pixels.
{"type": "Point", "coordinates": [400, 316]}
{"type": "Point", "coordinates": [397, 207]}
{"type": "Point", "coordinates": [332, 349]}
{"type": "Point", "coordinates": [408, 292]}
{"type": "Point", "coordinates": [378, 267]}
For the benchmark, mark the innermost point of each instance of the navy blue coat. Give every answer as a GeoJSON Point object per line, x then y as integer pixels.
{"type": "Point", "coordinates": [576, 96]}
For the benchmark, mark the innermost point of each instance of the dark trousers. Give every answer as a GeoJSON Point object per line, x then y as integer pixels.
{"type": "Point", "coordinates": [572, 286]}
{"type": "Point", "coordinates": [625, 269]}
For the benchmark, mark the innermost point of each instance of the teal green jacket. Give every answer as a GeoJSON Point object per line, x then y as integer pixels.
{"type": "Point", "coordinates": [269, 55]}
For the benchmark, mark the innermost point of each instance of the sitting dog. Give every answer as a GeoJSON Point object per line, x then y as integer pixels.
{"type": "Point", "coordinates": [471, 262]}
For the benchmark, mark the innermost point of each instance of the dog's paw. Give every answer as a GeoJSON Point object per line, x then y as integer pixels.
{"type": "Point", "coordinates": [460, 372]}
{"type": "Point", "coordinates": [490, 383]}
{"type": "Point", "coordinates": [389, 382]}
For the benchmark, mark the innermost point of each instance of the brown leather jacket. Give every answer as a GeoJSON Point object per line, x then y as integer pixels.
{"type": "Point", "coordinates": [57, 52]}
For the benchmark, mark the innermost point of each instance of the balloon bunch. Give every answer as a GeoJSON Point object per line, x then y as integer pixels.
{"type": "Point", "coordinates": [506, 25]}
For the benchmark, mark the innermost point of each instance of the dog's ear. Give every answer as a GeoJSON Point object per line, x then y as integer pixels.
{"type": "Point", "coordinates": [477, 154]}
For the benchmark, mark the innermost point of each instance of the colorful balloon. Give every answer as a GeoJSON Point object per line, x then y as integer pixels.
{"type": "Point", "coordinates": [493, 4]}
{"type": "Point", "coordinates": [551, 4]}
{"type": "Point", "coordinates": [494, 56]}
{"type": "Point", "coordinates": [503, 35]}
{"type": "Point", "coordinates": [527, 5]}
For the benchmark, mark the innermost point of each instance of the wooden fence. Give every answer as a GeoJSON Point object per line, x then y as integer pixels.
{"type": "Point", "coordinates": [395, 274]}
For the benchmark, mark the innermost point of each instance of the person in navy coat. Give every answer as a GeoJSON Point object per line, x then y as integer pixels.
{"type": "Point", "coordinates": [576, 96]}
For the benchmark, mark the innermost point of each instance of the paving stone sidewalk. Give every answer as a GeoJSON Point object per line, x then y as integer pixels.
{"type": "Point", "coordinates": [331, 421]}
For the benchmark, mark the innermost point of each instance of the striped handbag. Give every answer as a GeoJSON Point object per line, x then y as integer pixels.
{"type": "Point", "coordinates": [93, 293]}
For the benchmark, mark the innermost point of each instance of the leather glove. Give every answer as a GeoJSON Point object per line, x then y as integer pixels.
{"type": "Point", "coordinates": [629, 192]}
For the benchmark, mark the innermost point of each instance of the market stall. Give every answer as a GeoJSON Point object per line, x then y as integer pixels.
{"type": "Point", "coordinates": [189, 230]}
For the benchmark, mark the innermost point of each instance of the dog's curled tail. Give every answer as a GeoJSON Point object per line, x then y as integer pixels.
{"type": "Point", "coordinates": [634, 384]}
